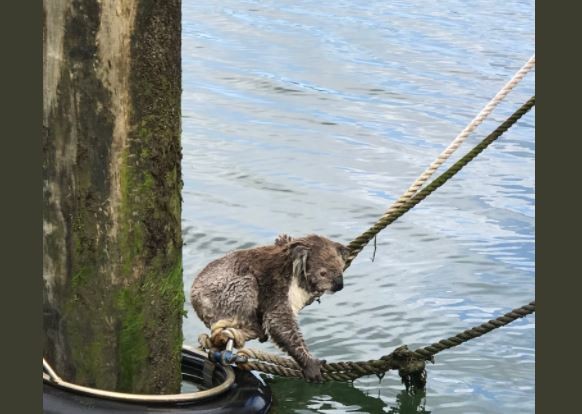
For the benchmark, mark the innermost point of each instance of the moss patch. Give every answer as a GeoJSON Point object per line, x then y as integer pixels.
{"type": "Point", "coordinates": [118, 324]}
{"type": "Point", "coordinates": [133, 347]}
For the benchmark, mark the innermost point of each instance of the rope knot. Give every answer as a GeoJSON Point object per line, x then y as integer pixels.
{"type": "Point", "coordinates": [220, 333]}
{"type": "Point", "coordinates": [410, 366]}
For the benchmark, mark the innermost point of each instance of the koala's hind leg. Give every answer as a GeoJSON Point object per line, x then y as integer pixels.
{"type": "Point", "coordinates": [233, 298]}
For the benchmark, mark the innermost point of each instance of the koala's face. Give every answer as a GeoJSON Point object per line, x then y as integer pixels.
{"type": "Point", "coordinates": [324, 263]}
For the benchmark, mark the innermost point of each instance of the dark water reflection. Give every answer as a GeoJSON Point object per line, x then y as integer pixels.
{"type": "Point", "coordinates": [341, 397]}
{"type": "Point", "coordinates": [304, 117]}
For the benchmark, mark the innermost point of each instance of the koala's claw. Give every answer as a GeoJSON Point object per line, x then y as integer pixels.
{"type": "Point", "coordinates": [312, 371]}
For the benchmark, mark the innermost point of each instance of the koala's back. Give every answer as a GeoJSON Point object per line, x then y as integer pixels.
{"type": "Point", "coordinates": [222, 290]}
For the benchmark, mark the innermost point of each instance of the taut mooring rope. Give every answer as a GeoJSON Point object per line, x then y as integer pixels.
{"type": "Point", "coordinates": [361, 241]}
{"type": "Point", "coordinates": [406, 361]}
{"type": "Point", "coordinates": [396, 211]}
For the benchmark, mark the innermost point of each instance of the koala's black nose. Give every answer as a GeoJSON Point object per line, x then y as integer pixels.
{"type": "Point", "coordinates": [338, 283]}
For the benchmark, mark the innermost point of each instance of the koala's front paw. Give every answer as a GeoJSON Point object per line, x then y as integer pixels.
{"type": "Point", "coordinates": [312, 371]}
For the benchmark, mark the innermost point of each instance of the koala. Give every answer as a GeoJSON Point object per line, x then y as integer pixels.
{"type": "Point", "coordinates": [265, 287]}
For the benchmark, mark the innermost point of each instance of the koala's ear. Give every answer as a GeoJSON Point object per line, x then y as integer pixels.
{"type": "Point", "coordinates": [299, 254]}
{"type": "Point", "coordinates": [298, 250]}
{"type": "Point", "coordinates": [283, 239]}
{"type": "Point", "coordinates": [344, 252]}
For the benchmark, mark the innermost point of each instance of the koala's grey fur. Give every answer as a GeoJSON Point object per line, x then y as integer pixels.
{"type": "Point", "coordinates": [264, 288]}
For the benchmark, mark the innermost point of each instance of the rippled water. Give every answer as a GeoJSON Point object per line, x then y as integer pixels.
{"type": "Point", "coordinates": [312, 117]}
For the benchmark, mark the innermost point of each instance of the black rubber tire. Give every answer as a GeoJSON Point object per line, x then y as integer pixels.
{"type": "Point", "coordinates": [248, 395]}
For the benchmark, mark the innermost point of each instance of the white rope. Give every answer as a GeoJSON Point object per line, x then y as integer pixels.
{"type": "Point", "coordinates": [456, 143]}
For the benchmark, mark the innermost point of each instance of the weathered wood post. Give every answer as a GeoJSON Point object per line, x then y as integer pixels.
{"type": "Point", "coordinates": [112, 270]}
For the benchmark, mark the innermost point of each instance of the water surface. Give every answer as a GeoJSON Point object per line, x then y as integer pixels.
{"type": "Point", "coordinates": [312, 117]}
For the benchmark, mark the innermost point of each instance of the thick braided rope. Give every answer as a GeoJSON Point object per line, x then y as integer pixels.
{"type": "Point", "coordinates": [349, 371]}
{"type": "Point", "coordinates": [332, 368]}
{"type": "Point", "coordinates": [359, 242]}
{"type": "Point", "coordinates": [376, 367]}
{"type": "Point", "coordinates": [453, 146]}
{"type": "Point", "coordinates": [429, 351]}
{"type": "Point", "coordinates": [269, 358]}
